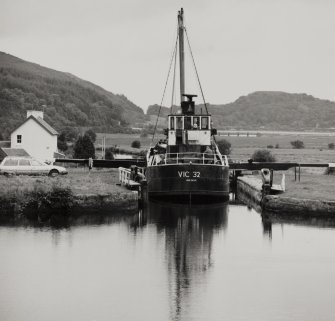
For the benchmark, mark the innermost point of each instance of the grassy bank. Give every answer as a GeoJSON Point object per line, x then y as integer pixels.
{"type": "Point", "coordinates": [46, 199]}
{"type": "Point", "coordinates": [79, 181]}
{"type": "Point", "coordinates": [311, 186]}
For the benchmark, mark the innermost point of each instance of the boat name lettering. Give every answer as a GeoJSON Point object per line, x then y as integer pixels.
{"type": "Point", "coordinates": [188, 174]}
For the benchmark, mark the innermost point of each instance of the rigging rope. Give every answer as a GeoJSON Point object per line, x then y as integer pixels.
{"type": "Point", "coordinates": [166, 82]}
{"type": "Point", "coordinates": [196, 70]}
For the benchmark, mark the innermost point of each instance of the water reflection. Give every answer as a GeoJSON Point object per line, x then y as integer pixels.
{"type": "Point", "coordinates": [189, 232]}
{"type": "Point", "coordinates": [170, 262]}
{"type": "Point", "coordinates": [270, 219]}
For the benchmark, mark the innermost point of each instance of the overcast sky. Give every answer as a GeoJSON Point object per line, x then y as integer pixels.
{"type": "Point", "coordinates": [240, 46]}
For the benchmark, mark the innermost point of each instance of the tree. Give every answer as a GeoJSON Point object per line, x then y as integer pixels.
{"type": "Point", "coordinates": [62, 145]}
{"type": "Point", "coordinates": [109, 153]}
{"type": "Point", "coordinates": [91, 134]}
{"type": "Point", "coordinates": [61, 142]}
{"type": "Point", "coordinates": [224, 146]}
{"type": "Point", "coordinates": [71, 134]}
{"type": "Point", "coordinates": [136, 144]}
{"type": "Point", "coordinates": [263, 155]}
{"type": "Point", "coordinates": [84, 147]}
{"type": "Point", "coordinates": [298, 144]}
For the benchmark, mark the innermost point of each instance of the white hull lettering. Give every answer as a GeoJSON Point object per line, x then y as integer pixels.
{"type": "Point", "coordinates": [188, 174]}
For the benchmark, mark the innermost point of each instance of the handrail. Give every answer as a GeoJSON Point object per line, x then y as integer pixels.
{"type": "Point", "coordinates": [187, 157]}
{"type": "Point", "coordinates": [124, 175]}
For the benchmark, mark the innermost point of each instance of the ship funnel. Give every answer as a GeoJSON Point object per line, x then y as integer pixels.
{"type": "Point", "coordinates": [188, 107]}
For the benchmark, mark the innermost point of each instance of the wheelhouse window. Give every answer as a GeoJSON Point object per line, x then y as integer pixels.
{"type": "Point", "coordinates": [179, 123]}
{"type": "Point", "coordinates": [172, 123]}
{"type": "Point", "coordinates": [204, 122]}
{"type": "Point", "coordinates": [188, 123]}
{"type": "Point", "coordinates": [24, 162]}
{"type": "Point", "coordinates": [11, 162]}
{"type": "Point", "coordinates": [19, 139]}
{"type": "Point", "coordinates": [196, 122]}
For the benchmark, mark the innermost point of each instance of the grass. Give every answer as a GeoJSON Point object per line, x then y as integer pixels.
{"type": "Point", "coordinates": [315, 151]}
{"type": "Point", "coordinates": [79, 181]}
{"type": "Point", "coordinates": [312, 185]}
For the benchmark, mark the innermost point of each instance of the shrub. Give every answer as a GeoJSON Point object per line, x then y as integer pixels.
{"type": "Point", "coordinates": [277, 146]}
{"type": "Point", "coordinates": [109, 153]}
{"type": "Point", "coordinates": [263, 155]}
{"type": "Point", "coordinates": [136, 144]}
{"type": "Point", "coordinates": [298, 144]}
{"type": "Point", "coordinates": [331, 146]}
{"type": "Point", "coordinates": [269, 146]}
{"type": "Point", "coordinates": [84, 148]}
{"type": "Point", "coordinates": [224, 146]}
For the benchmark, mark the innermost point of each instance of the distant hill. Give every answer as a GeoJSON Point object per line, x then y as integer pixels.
{"type": "Point", "coordinates": [66, 99]}
{"type": "Point", "coordinates": [271, 110]}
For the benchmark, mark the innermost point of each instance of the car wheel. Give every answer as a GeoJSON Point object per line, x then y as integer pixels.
{"type": "Point", "coordinates": [53, 173]}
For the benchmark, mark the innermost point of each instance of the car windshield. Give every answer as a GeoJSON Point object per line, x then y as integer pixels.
{"type": "Point", "coordinates": [34, 162]}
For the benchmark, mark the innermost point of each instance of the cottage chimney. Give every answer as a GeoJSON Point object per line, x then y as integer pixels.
{"type": "Point", "coordinates": [35, 113]}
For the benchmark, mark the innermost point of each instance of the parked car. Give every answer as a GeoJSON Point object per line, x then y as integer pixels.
{"type": "Point", "coordinates": [29, 166]}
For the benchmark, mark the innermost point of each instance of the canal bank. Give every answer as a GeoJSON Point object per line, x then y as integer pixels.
{"type": "Point", "coordinates": [49, 200]}
{"type": "Point", "coordinates": [249, 191]}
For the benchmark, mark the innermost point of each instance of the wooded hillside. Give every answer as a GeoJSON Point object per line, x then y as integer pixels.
{"type": "Point", "coordinates": [66, 99]}
{"type": "Point", "coordinates": [271, 110]}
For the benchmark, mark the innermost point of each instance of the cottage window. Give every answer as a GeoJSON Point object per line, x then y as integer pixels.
{"type": "Point", "coordinates": [19, 139]}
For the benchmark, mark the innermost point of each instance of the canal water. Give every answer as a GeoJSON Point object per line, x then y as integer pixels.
{"type": "Point", "coordinates": [169, 262]}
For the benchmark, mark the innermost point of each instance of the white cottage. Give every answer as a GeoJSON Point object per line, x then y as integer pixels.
{"type": "Point", "coordinates": [36, 136]}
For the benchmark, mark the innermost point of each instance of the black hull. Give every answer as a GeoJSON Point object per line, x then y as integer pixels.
{"type": "Point", "coordinates": [199, 182]}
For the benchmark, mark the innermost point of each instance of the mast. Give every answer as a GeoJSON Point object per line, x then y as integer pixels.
{"type": "Point", "coordinates": [181, 53]}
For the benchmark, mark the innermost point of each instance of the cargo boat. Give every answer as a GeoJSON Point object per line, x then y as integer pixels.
{"type": "Point", "coordinates": [188, 163]}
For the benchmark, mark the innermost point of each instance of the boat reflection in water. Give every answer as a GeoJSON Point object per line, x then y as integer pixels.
{"type": "Point", "coordinates": [189, 232]}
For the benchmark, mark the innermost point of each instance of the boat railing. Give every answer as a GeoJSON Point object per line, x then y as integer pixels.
{"type": "Point", "coordinates": [128, 177]}
{"type": "Point", "coordinates": [189, 157]}
{"type": "Point", "coordinates": [124, 175]}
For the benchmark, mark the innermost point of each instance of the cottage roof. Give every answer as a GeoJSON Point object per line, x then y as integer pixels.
{"type": "Point", "coordinates": [42, 123]}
